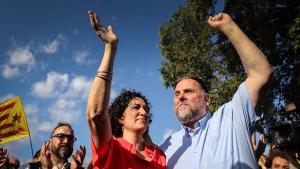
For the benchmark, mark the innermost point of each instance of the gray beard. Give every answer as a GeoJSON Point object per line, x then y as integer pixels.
{"type": "Point", "coordinates": [63, 154]}
{"type": "Point", "coordinates": [191, 117]}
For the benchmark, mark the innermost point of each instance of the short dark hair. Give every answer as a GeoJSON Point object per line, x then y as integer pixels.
{"type": "Point", "coordinates": [61, 124]}
{"type": "Point", "coordinates": [37, 153]}
{"type": "Point", "coordinates": [118, 107]}
{"type": "Point", "coordinates": [201, 83]}
{"type": "Point", "coordinates": [274, 154]}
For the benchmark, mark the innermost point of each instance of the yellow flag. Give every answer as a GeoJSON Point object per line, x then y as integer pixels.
{"type": "Point", "coordinates": [13, 123]}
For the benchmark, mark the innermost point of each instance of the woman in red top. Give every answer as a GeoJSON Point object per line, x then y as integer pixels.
{"type": "Point", "coordinates": [117, 132]}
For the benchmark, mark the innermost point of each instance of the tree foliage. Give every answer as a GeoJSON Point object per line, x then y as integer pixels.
{"type": "Point", "coordinates": [190, 47]}
{"type": "Point", "coordinates": [185, 45]}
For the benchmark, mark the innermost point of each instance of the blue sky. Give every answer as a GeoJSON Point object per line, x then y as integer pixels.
{"type": "Point", "coordinates": [49, 55]}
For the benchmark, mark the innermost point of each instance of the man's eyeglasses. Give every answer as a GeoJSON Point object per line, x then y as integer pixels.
{"type": "Point", "coordinates": [62, 136]}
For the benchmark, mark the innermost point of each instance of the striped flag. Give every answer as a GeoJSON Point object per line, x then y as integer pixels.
{"type": "Point", "coordinates": [13, 123]}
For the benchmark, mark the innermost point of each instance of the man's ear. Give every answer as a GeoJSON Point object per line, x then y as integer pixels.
{"type": "Point", "coordinates": [207, 99]}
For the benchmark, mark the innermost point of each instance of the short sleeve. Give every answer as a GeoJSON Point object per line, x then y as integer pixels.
{"type": "Point", "coordinates": [243, 110]}
{"type": "Point", "coordinates": [102, 156]}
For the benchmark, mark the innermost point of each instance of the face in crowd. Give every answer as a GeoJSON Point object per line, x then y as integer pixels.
{"type": "Point", "coordinates": [190, 101]}
{"type": "Point", "coordinates": [135, 117]}
{"type": "Point", "coordinates": [62, 142]}
{"type": "Point", "coordinates": [129, 112]}
{"type": "Point", "coordinates": [280, 163]}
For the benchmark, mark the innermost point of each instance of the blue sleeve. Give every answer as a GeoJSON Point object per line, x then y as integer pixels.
{"type": "Point", "coordinates": [243, 110]}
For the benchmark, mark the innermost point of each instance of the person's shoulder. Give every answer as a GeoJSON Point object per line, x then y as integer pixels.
{"type": "Point", "coordinates": [176, 134]}
{"type": "Point", "coordinates": [155, 148]}
{"type": "Point", "coordinates": [171, 138]}
{"type": "Point", "coordinates": [241, 91]}
{"type": "Point", "coordinates": [30, 165]}
{"type": "Point", "coordinates": [223, 108]}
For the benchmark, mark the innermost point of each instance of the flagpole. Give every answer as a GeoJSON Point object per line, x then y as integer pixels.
{"type": "Point", "coordinates": [30, 141]}
{"type": "Point", "coordinates": [27, 128]}
{"type": "Point", "coordinates": [29, 134]}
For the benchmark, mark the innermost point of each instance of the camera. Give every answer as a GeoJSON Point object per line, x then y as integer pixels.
{"type": "Point", "coordinates": [286, 133]}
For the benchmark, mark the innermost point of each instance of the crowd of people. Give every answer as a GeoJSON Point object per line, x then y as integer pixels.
{"type": "Point", "coordinates": [276, 157]}
{"type": "Point", "coordinates": [53, 154]}
{"type": "Point", "coordinates": [119, 131]}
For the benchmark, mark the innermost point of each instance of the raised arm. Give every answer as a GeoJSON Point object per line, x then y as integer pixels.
{"type": "Point", "coordinates": [98, 99]}
{"type": "Point", "coordinates": [254, 61]}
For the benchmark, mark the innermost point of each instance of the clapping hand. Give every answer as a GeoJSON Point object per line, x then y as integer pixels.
{"type": "Point", "coordinates": [46, 156]}
{"type": "Point", "coordinates": [78, 158]}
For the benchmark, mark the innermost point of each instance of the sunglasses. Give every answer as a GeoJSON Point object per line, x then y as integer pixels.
{"type": "Point", "coordinates": [62, 136]}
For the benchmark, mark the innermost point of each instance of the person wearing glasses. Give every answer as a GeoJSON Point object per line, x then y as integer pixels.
{"type": "Point", "coordinates": [118, 132]}
{"type": "Point", "coordinates": [55, 152]}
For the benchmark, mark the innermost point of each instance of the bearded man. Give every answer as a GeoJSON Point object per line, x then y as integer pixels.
{"type": "Point", "coordinates": [55, 152]}
{"type": "Point", "coordinates": [221, 140]}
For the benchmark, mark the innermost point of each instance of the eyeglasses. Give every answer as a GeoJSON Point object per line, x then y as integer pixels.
{"type": "Point", "coordinates": [62, 136]}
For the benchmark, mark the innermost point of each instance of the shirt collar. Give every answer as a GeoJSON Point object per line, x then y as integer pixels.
{"type": "Point", "coordinates": [65, 166]}
{"type": "Point", "coordinates": [198, 125]}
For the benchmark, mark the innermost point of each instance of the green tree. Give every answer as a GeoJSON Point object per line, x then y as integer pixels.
{"type": "Point", "coordinates": [190, 47]}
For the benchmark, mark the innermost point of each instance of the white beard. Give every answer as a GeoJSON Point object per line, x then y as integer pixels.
{"type": "Point", "coordinates": [187, 115]}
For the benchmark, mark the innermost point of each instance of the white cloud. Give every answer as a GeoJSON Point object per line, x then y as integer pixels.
{"type": "Point", "coordinates": [33, 121]}
{"type": "Point", "coordinates": [65, 110]}
{"type": "Point", "coordinates": [19, 58]}
{"type": "Point", "coordinates": [52, 86]}
{"type": "Point", "coordinates": [168, 132]}
{"type": "Point", "coordinates": [31, 109]}
{"type": "Point", "coordinates": [64, 104]}
{"type": "Point", "coordinates": [9, 72]}
{"type": "Point", "coordinates": [65, 96]}
{"type": "Point", "coordinates": [52, 47]}
{"type": "Point", "coordinates": [45, 126]}
{"type": "Point", "coordinates": [67, 105]}
{"type": "Point", "coordinates": [81, 57]}
{"type": "Point", "coordinates": [22, 56]}
{"type": "Point", "coordinates": [79, 87]}
{"type": "Point", "coordinates": [6, 97]}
